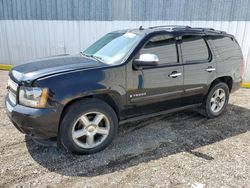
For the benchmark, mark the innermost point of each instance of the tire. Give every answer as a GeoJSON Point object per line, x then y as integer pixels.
{"type": "Point", "coordinates": [208, 108]}
{"type": "Point", "coordinates": [88, 126]}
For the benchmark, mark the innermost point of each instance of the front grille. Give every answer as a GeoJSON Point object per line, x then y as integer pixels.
{"type": "Point", "coordinates": [12, 91]}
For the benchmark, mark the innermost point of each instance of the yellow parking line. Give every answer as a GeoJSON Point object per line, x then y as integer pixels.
{"type": "Point", "coordinates": [245, 84]}
{"type": "Point", "coordinates": [5, 67]}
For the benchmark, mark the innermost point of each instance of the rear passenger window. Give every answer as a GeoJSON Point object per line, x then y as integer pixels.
{"type": "Point", "coordinates": [164, 47]}
{"type": "Point", "coordinates": [194, 48]}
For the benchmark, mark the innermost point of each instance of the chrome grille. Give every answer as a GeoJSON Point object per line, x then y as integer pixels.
{"type": "Point", "coordinates": [12, 91]}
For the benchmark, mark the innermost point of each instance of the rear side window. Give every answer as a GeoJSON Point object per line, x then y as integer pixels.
{"type": "Point", "coordinates": [227, 47]}
{"type": "Point", "coordinates": [194, 49]}
{"type": "Point", "coordinates": [164, 47]}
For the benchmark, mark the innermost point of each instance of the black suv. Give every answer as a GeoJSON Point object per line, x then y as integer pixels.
{"type": "Point", "coordinates": [124, 76]}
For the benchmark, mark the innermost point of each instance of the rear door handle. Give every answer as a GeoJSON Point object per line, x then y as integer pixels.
{"type": "Point", "coordinates": [175, 74]}
{"type": "Point", "coordinates": [210, 69]}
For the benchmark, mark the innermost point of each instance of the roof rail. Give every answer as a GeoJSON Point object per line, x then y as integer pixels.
{"type": "Point", "coordinates": [215, 31]}
{"type": "Point", "coordinates": [204, 29]}
{"type": "Point", "coordinates": [170, 26]}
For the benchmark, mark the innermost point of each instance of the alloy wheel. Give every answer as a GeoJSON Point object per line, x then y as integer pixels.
{"type": "Point", "coordinates": [217, 100]}
{"type": "Point", "coordinates": [90, 130]}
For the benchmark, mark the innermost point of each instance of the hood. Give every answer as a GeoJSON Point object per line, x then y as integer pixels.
{"type": "Point", "coordinates": [35, 69]}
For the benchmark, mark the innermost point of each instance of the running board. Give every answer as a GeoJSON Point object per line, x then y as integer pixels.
{"type": "Point", "coordinates": [159, 113]}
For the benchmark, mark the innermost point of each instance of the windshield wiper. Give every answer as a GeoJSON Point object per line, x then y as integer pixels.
{"type": "Point", "coordinates": [92, 56]}
{"type": "Point", "coordinates": [83, 54]}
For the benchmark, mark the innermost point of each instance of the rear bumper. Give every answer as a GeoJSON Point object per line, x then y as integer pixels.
{"type": "Point", "coordinates": [38, 123]}
{"type": "Point", "coordinates": [235, 86]}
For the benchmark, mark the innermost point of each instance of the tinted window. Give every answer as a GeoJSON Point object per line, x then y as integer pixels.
{"type": "Point", "coordinates": [226, 47]}
{"type": "Point", "coordinates": [163, 46]}
{"type": "Point", "coordinates": [194, 48]}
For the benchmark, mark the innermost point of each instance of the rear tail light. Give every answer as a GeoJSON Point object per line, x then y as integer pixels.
{"type": "Point", "coordinates": [242, 68]}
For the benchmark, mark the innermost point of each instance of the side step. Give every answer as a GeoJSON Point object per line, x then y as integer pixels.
{"type": "Point", "coordinates": [159, 113]}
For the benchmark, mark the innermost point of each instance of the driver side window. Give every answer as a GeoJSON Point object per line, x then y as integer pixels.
{"type": "Point", "coordinates": [164, 47]}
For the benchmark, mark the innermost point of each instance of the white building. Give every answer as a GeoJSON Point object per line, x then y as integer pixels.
{"type": "Point", "coordinates": [32, 28]}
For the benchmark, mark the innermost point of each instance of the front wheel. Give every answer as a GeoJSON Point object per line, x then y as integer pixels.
{"type": "Point", "coordinates": [88, 126]}
{"type": "Point", "coordinates": [217, 100]}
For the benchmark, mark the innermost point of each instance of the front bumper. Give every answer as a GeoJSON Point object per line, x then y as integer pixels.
{"type": "Point", "coordinates": [38, 123]}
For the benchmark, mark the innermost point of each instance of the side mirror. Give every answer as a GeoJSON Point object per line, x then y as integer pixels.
{"type": "Point", "coordinates": [146, 60]}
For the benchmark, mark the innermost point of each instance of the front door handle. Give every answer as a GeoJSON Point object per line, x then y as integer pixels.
{"type": "Point", "coordinates": [210, 69]}
{"type": "Point", "coordinates": [175, 74]}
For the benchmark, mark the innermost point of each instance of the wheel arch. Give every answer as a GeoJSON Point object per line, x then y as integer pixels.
{"type": "Point", "coordinates": [111, 99]}
{"type": "Point", "coordinates": [226, 79]}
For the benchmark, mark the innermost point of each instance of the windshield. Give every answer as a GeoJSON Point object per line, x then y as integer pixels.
{"type": "Point", "coordinates": [113, 47]}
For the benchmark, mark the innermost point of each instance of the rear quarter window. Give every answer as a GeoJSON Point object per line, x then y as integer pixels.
{"type": "Point", "coordinates": [227, 47]}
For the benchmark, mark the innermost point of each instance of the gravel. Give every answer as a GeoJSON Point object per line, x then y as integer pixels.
{"type": "Point", "coordinates": [176, 150]}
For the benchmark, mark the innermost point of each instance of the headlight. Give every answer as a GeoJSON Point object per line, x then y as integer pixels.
{"type": "Point", "coordinates": [33, 96]}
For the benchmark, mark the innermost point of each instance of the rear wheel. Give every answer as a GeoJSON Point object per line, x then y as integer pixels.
{"type": "Point", "coordinates": [217, 100]}
{"type": "Point", "coordinates": [88, 126]}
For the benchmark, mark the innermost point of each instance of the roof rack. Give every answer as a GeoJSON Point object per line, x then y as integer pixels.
{"type": "Point", "coordinates": [170, 26]}
{"type": "Point", "coordinates": [204, 29]}
{"type": "Point", "coordinates": [213, 30]}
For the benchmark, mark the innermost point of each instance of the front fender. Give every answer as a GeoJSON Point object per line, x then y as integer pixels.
{"type": "Point", "coordinates": [78, 84]}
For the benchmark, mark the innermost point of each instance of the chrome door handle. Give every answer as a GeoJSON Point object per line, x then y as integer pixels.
{"type": "Point", "coordinates": [210, 69]}
{"type": "Point", "coordinates": [175, 74]}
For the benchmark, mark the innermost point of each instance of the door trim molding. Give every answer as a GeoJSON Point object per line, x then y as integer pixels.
{"type": "Point", "coordinates": [143, 98]}
{"type": "Point", "coordinates": [194, 89]}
